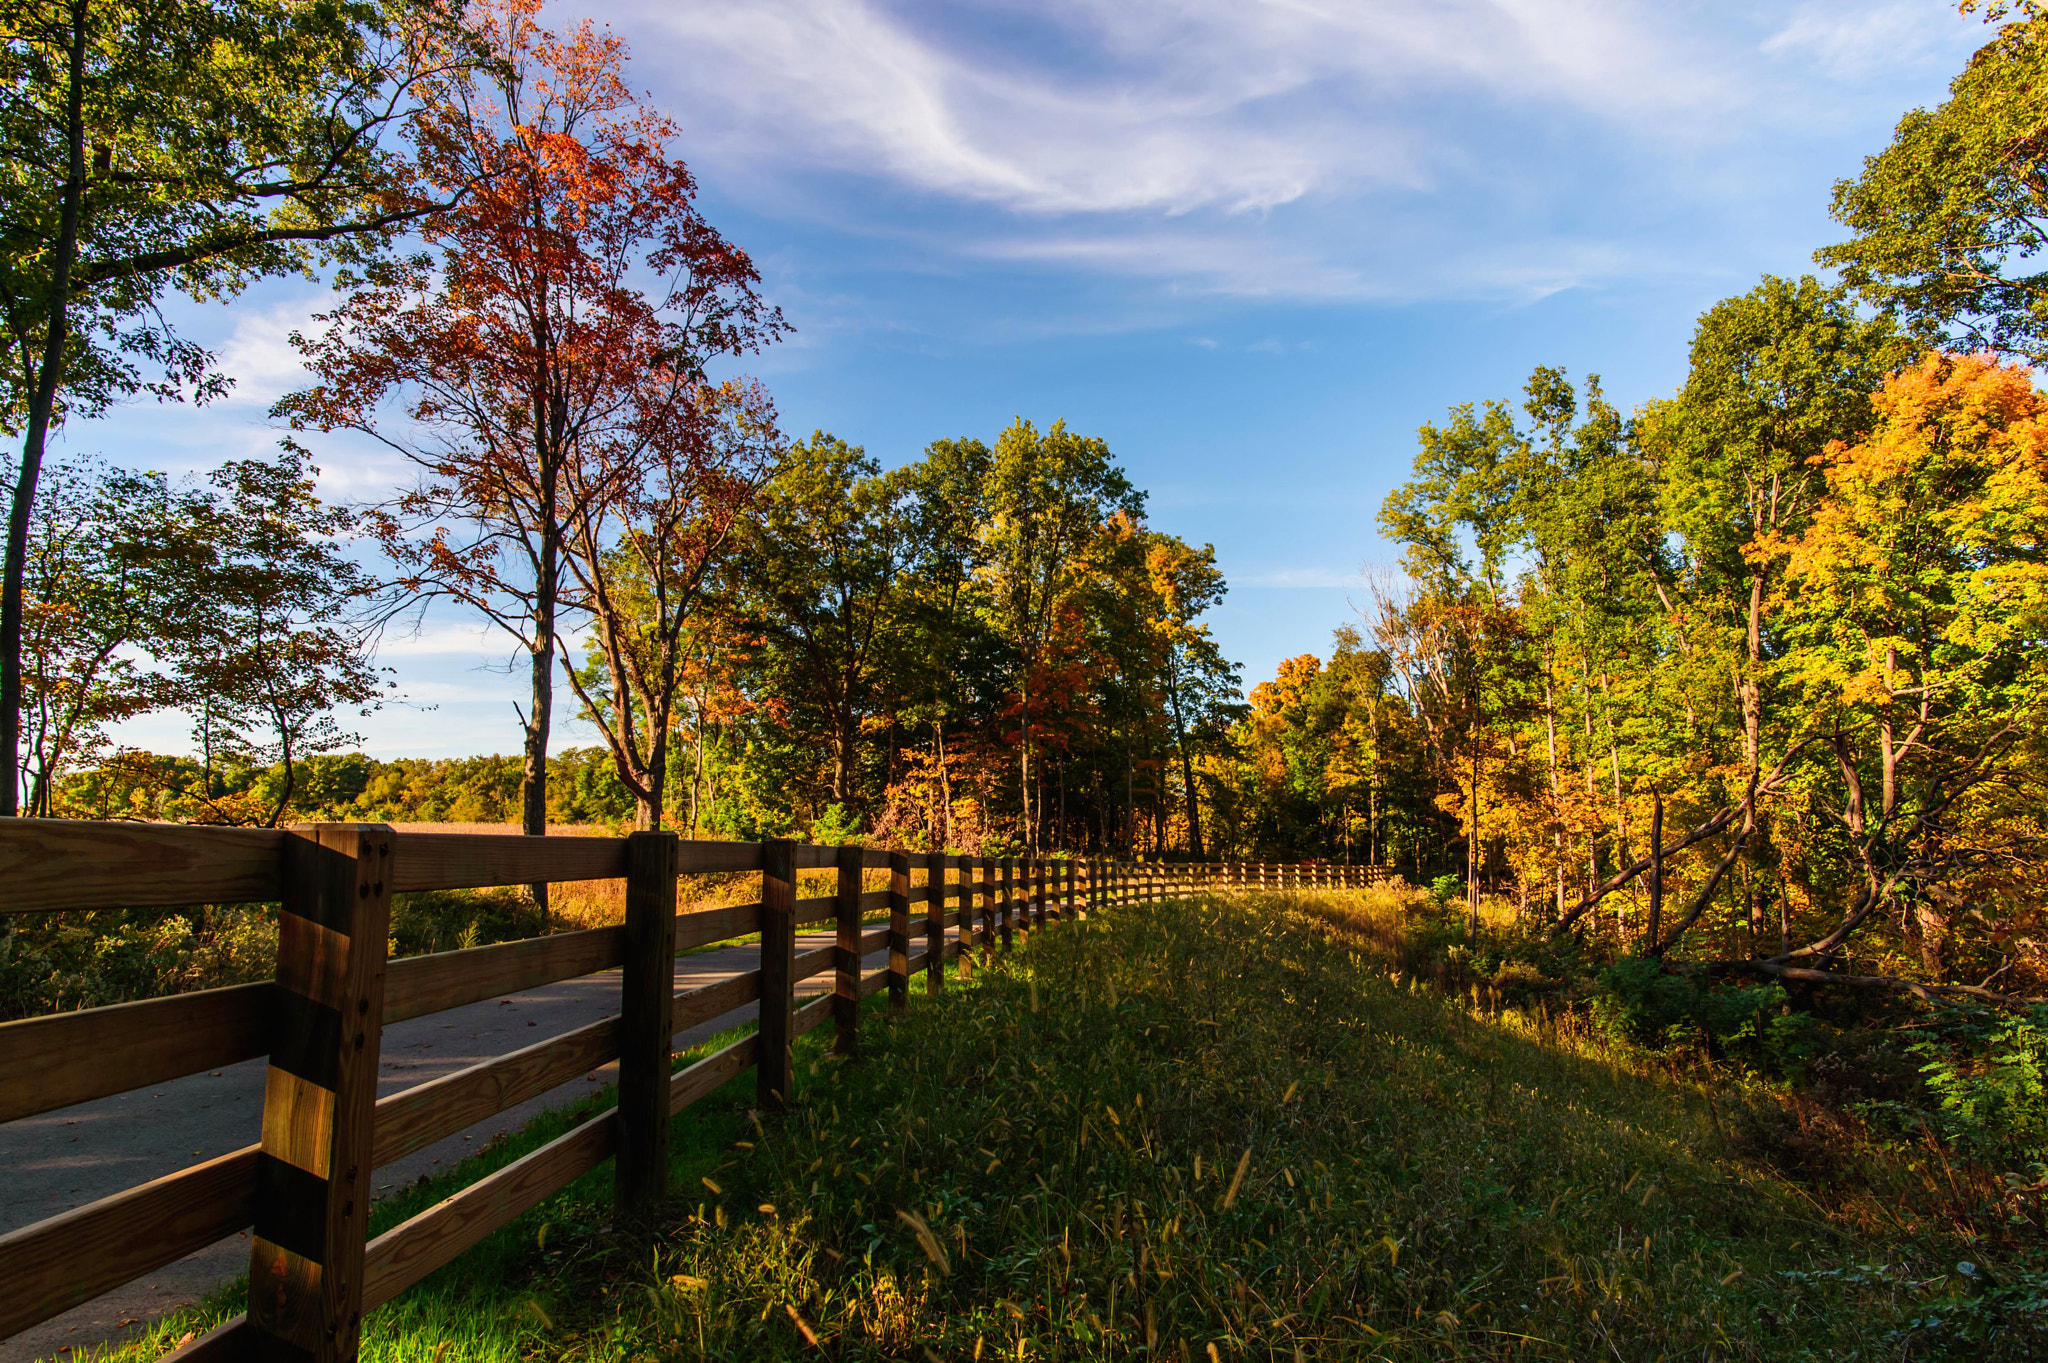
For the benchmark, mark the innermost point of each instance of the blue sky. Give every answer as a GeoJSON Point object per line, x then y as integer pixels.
{"type": "Point", "coordinates": [1253, 245]}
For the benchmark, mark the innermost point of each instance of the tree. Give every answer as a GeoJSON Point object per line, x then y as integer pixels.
{"type": "Point", "coordinates": [158, 144]}
{"type": "Point", "coordinates": [1917, 643]}
{"type": "Point", "coordinates": [111, 565]}
{"type": "Point", "coordinates": [268, 649]}
{"type": "Point", "coordinates": [823, 568]}
{"type": "Point", "coordinates": [640, 560]}
{"type": "Point", "coordinates": [1947, 217]}
{"type": "Point", "coordinates": [539, 381]}
{"type": "Point", "coordinates": [1047, 498]}
{"type": "Point", "coordinates": [1201, 687]}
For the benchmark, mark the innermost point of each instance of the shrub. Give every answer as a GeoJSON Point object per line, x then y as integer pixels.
{"type": "Point", "coordinates": [1637, 1001]}
{"type": "Point", "coordinates": [1988, 1072]}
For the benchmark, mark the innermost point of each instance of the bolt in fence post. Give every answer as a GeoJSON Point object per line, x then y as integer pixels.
{"type": "Point", "coordinates": [320, 1094]}
{"type": "Point", "coordinates": [775, 1068]}
{"type": "Point", "coordinates": [899, 933]}
{"type": "Point", "coordinates": [846, 952]}
{"type": "Point", "coordinates": [647, 991]}
{"type": "Point", "coordinates": [934, 922]}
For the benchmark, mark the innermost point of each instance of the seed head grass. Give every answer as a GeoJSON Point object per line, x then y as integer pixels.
{"type": "Point", "coordinates": [1211, 1129]}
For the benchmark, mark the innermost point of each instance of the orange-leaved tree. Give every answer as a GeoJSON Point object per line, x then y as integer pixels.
{"type": "Point", "coordinates": [549, 351]}
{"type": "Point", "coordinates": [640, 560]}
{"type": "Point", "coordinates": [1917, 633]}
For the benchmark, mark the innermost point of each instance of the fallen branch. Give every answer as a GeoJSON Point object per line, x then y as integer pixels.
{"type": "Point", "coordinates": [1922, 990]}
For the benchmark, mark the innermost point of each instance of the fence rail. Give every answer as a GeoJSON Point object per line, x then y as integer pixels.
{"type": "Point", "coordinates": [304, 1188]}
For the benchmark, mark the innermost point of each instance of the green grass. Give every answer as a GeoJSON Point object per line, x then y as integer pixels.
{"type": "Point", "coordinates": [1219, 1129]}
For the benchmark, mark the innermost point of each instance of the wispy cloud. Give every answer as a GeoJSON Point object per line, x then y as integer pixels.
{"type": "Point", "coordinates": [1111, 106]}
{"type": "Point", "coordinates": [1315, 578]}
{"type": "Point", "coordinates": [1854, 39]}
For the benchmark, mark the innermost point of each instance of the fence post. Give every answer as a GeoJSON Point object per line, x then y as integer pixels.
{"type": "Point", "coordinates": [986, 936]}
{"type": "Point", "coordinates": [846, 952]}
{"type": "Point", "coordinates": [966, 917]}
{"type": "Point", "coordinates": [775, 1069]}
{"type": "Point", "coordinates": [899, 933]}
{"type": "Point", "coordinates": [934, 922]}
{"type": "Point", "coordinates": [320, 1095]}
{"type": "Point", "coordinates": [646, 1010]}
{"type": "Point", "coordinates": [1003, 908]}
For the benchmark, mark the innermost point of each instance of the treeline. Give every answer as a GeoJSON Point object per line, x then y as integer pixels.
{"type": "Point", "coordinates": [1755, 675]}
{"type": "Point", "coordinates": [985, 649]}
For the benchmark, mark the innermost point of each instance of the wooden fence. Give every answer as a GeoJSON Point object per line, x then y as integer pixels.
{"type": "Point", "coordinates": [304, 1189]}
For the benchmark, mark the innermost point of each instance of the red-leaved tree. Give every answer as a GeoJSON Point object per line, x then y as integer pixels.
{"type": "Point", "coordinates": [545, 356]}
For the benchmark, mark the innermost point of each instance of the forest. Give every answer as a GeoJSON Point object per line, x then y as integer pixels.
{"type": "Point", "coordinates": [1750, 674]}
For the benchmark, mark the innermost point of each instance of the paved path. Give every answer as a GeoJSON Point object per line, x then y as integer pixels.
{"type": "Point", "coordinates": [58, 1160]}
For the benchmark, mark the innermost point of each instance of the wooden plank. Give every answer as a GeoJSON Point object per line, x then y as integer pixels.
{"type": "Point", "coordinates": [418, 985]}
{"type": "Point", "coordinates": [874, 982]}
{"type": "Point", "coordinates": [846, 955]}
{"type": "Point", "coordinates": [411, 1250]}
{"type": "Point", "coordinates": [698, 856]}
{"type": "Point", "coordinates": [711, 1073]}
{"type": "Point", "coordinates": [808, 856]}
{"type": "Point", "coordinates": [231, 1341]}
{"type": "Point", "coordinates": [812, 962]}
{"type": "Point", "coordinates": [65, 1058]}
{"type": "Point", "coordinates": [313, 1182]}
{"type": "Point", "coordinates": [702, 926]}
{"type": "Point", "coordinates": [467, 861]}
{"type": "Point", "coordinates": [775, 1070]}
{"type": "Point", "coordinates": [702, 1004]}
{"type": "Point", "coordinates": [417, 1117]}
{"type": "Point", "coordinates": [815, 908]}
{"type": "Point", "coordinates": [875, 858]}
{"type": "Point", "coordinates": [647, 988]}
{"type": "Point", "coordinates": [813, 1014]}
{"type": "Point", "coordinates": [54, 864]}
{"type": "Point", "coordinates": [874, 901]}
{"type": "Point", "coordinates": [72, 1257]}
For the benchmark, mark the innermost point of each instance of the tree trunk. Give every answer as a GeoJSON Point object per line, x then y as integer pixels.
{"type": "Point", "coordinates": [533, 783]}
{"type": "Point", "coordinates": [1024, 761]}
{"type": "Point", "coordinates": [42, 407]}
{"type": "Point", "coordinates": [1653, 921]}
{"type": "Point", "coordinates": [1187, 764]}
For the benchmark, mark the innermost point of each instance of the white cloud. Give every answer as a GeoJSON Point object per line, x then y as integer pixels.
{"type": "Point", "coordinates": [1318, 578]}
{"type": "Point", "coordinates": [1852, 41]}
{"type": "Point", "coordinates": [1113, 106]}
{"type": "Point", "coordinates": [258, 353]}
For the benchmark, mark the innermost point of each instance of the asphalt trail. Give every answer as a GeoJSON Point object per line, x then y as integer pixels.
{"type": "Point", "coordinates": [55, 1161]}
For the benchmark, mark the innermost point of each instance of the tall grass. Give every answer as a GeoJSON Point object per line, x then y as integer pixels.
{"type": "Point", "coordinates": [1219, 1130]}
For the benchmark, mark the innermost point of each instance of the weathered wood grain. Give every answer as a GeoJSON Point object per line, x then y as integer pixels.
{"type": "Point", "coordinates": [698, 856]}
{"type": "Point", "coordinates": [410, 1251]}
{"type": "Point", "coordinates": [72, 1257]}
{"type": "Point", "coordinates": [702, 926]}
{"type": "Point", "coordinates": [53, 864]}
{"type": "Point", "coordinates": [65, 1058]}
{"type": "Point", "coordinates": [462, 861]}
{"type": "Point", "coordinates": [711, 1073]}
{"type": "Point", "coordinates": [418, 985]}
{"type": "Point", "coordinates": [647, 1003]}
{"type": "Point", "coordinates": [417, 1117]}
{"type": "Point", "coordinates": [693, 1006]}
